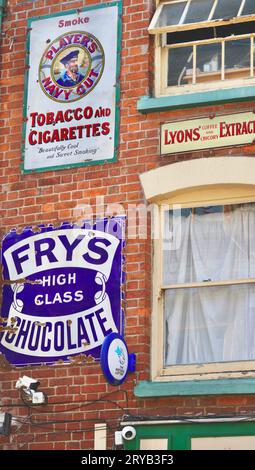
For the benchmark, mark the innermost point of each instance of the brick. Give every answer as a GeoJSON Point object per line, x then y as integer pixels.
{"type": "Point", "coordinates": [53, 196]}
{"type": "Point", "coordinates": [231, 400]}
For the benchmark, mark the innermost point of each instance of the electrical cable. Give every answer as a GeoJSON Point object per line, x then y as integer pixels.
{"type": "Point", "coordinates": [189, 419]}
{"type": "Point", "coordinates": [76, 430]}
{"type": "Point", "coordinates": [30, 418]}
{"type": "Point", "coordinates": [83, 402]}
{"type": "Point", "coordinates": [109, 424]}
{"type": "Point", "coordinates": [84, 405]}
{"type": "Point", "coordinates": [64, 421]}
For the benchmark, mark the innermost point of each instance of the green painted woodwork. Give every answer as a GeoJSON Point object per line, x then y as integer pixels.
{"type": "Point", "coordinates": [2, 5]}
{"type": "Point", "coordinates": [147, 104]}
{"type": "Point", "coordinates": [179, 435]}
{"type": "Point", "coordinates": [196, 387]}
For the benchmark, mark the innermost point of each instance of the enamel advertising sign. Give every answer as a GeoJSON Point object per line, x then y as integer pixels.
{"type": "Point", "coordinates": [206, 133]}
{"type": "Point", "coordinates": [115, 360]}
{"type": "Point", "coordinates": [63, 292]}
{"type": "Point", "coordinates": [72, 89]}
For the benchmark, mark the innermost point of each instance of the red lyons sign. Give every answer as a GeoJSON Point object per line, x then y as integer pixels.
{"type": "Point", "coordinates": [206, 133]}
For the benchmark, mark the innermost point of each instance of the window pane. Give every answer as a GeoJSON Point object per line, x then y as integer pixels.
{"type": "Point", "coordinates": [180, 64]}
{"type": "Point", "coordinates": [170, 14]}
{"type": "Point", "coordinates": [226, 9]}
{"type": "Point", "coordinates": [210, 324]}
{"type": "Point", "coordinates": [199, 10]}
{"type": "Point", "coordinates": [208, 62]}
{"type": "Point", "coordinates": [237, 59]}
{"type": "Point", "coordinates": [199, 34]}
{"type": "Point", "coordinates": [249, 8]}
{"type": "Point", "coordinates": [209, 244]}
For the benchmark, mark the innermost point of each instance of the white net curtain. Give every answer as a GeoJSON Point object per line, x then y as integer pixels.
{"type": "Point", "coordinates": [210, 324]}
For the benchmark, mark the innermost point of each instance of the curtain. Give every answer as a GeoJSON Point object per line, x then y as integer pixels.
{"type": "Point", "coordinates": [210, 324]}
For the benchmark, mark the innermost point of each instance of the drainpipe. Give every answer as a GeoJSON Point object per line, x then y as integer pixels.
{"type": "Point", "coordinates": [2, 4]}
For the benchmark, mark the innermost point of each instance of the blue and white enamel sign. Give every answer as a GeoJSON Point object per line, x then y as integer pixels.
{"type": "Point", "coordinates": [115, 360]}
{"type": "Point", "coordinates": [65, 294]}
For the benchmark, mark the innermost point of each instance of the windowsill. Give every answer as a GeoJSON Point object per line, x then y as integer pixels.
{"type": "Point", "coordinates": [200, 387]}
{"type": "Point", "coordinates": [148, 104]}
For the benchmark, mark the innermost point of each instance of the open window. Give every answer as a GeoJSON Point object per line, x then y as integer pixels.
{"type": "Point", "coordinates": [203, 44]}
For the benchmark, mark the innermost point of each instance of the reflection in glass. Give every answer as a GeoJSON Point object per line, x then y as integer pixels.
{"type": "Point", "coordinates": [180, 66]}
{"type": "Point", "coordinates": [249, 8]}
{"type": "Point", "coordinates": [170, 14]}
{"type": "Point", "coordinates": [209, 62]}
{"type": "Point", "coordinates": [226, 9]}
{"type": "Point", "coordinates": [237, 58]}
{"type": "Point", "coordinates": [199, 10]}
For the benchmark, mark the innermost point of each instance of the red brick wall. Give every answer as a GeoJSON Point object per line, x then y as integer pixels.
{"type": "Point", "coordinates": [78, 395]}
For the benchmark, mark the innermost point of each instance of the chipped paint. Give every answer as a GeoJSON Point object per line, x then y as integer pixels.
{"type": "Point", "coordinates": [10, 326]}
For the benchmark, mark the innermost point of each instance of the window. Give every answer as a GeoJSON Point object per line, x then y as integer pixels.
{"type": "Point", "coordinates": [203, 285]}
{"type": "Point", "coordinates": [208, 288]}
{"type": "Point", "coordinates": [203, 44]}
{"type": "Point", "coordinates": [209, 284]}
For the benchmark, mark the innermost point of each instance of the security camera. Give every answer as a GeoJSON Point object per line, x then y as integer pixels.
{"type": "Point", "coordinates": [27, 382]}
{"type": "Point", "coordinates": [128, 433]}
{"type": "Point", "coordinates": [29, 394]}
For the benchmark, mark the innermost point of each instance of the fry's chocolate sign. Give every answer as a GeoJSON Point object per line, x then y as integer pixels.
{"type": "Point", "coordinates": [68, 293]}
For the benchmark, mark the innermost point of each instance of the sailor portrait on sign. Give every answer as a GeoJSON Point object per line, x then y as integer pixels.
{"type": "Point", "coordinates": [71, 66]}
{"type": "Point", "coordinates": [71, 75]}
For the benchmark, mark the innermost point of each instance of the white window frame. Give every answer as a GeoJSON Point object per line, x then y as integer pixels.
{"type": "Point", "coordinates": [161, 52]}
{"type": "Point", "coordinates": [213, 181]}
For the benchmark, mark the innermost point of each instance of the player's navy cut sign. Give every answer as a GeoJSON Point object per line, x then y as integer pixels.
{"type": "Point", "coordinates": [74, 299]}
